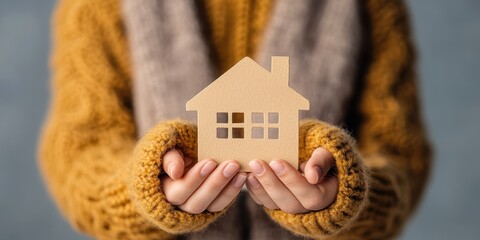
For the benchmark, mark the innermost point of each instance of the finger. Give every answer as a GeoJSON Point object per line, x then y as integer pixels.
{"type": "Point", "coordinates": [329, 188]}
{"type": "Point", "coordinates": [211, 187]}
{"type": "Point", "coordinates": [302, 167]}
{"type": "Point", "coordinates": [309, 195]}
{"type": "Point", "coordinates": [318, 165]}
{"type": "Point", "coordinates": [252, 195]}
{"type": "Point", "coordinates": [178, 191]}
{"type": "Point", "coordinates": [258, 193]}
{"type": "Point", "coordinates": [228, 194]}
{"type": "Point", "coordinates": [173, 164]}
{"type": "Point", "coordinates": [279, 193]}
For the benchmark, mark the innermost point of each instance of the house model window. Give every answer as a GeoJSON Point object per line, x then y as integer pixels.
{"type": "Point", "coordinates": [260, 125]}
{"type": "Point", "coordinates": [261, 128]}
{"type": "Point", "coordinates": [249, 113]}
{"type": "Point", "coordinates": [233, 122]}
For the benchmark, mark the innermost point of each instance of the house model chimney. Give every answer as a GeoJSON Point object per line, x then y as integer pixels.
{"type": "Point", "coordinates": [280, 69]}
{"type": "Point", "coordinates": [255, 115]}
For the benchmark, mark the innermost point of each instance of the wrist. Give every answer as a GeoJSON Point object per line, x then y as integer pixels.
{"type": "Point", "coordinates": [352, 181]}
{"type": "Point", "coordinates": [145, 183]}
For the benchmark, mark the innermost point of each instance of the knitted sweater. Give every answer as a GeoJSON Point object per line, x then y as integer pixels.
{"type": "Point", "coordinates": [106, 182]}
{"type": "Point", "coordinates": [171, 63]}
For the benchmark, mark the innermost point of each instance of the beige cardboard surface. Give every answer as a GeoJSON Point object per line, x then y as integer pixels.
{"type": "Point", "coordinates": [249, 113]}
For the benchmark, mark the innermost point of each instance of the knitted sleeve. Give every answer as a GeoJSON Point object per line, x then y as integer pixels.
{"type": "Point", "coordinates": [381, 178]}
{"type": "Point", "coordinates": [105, 183]}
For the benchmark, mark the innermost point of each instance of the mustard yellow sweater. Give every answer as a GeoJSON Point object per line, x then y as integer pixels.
{"type": "Point", "coordinates": [106, 182]}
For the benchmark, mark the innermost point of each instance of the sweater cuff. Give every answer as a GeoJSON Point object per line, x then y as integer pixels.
{"type": "Point", "coordinates": [352, 179]}
{"type": "Point", "coordinates": [145, 185]}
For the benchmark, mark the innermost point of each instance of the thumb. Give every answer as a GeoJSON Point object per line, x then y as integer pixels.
{"type": "Point", "coordinates": [173, 164]}
{"type": "Point", "coordinates": [318, 165]}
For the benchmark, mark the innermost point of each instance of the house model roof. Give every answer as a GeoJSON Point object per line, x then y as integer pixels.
{"type": "Point", "coordinates": [249, 84]}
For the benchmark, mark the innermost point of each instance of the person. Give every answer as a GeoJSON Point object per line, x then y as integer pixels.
{"type": "Point", "coordinates": [118, 151]}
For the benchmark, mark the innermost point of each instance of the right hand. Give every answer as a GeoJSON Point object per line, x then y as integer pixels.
{"type": "Point", "coordinates": [196, 187]}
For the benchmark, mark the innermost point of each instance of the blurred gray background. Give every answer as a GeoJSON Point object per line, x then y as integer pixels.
{"type": "Point", "coordinates": [447, 34]}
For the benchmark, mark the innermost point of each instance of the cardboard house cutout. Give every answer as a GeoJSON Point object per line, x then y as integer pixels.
{"type": "Point", "coordinates": [249, 113]}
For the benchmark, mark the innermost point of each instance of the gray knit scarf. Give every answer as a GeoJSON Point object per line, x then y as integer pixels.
{"type": "Point", "coordinates": [171, 64]}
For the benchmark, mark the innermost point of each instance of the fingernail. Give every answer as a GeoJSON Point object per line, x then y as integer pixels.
{"type": "Point", "coordinates": [252, 180]}
{"type": "Point", "coordinates": [240, 180]}
{"type": "Point", "coordinates": [179, 152]}
{"type": "Point", "coordinates": [318, 173]}
{"type": "Point", "coordinates": [171, 168]}
{"type": "Point", "coordinates": [277, 167]}
{"type": "Point", "coordinates": [256, 167]}
{"type": "Point", "coordinates": [207, 168]}
{"type": "Point", "coordinates": [230, 170]}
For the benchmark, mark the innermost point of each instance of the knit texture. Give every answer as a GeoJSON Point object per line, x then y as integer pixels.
{"type": "Point", "coordinates": [390, 134]}
{"type": "Point", "coordinates": [145, 184]}
{"type": "Point", "coordinates": [106, 183]}
{"type": "Point", "coordinates": [352, 181]}
{"type": "Point", "coordinates": [171, 54]}
{"type": "Point", "coordinates": [87, 151]}
{"type": "Point", "coordinates": [388, 124]}
{"type": "Point", "coordinates": [236, 28]}
{"type": "Point", "coordinates": [323, 39]}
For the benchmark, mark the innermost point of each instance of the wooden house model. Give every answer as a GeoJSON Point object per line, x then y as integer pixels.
{"type": "Point", "coordinates": [249, 113]}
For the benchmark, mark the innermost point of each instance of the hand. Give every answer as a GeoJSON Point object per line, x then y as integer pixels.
{"type": "Point", "coordinates": [278, 185]}
{"type": "Point", "coordinates": [202, 186]}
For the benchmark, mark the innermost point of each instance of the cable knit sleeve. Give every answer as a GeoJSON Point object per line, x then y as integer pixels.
{"type": "Point", "coordinates": [381, 178]}
{"type": "Point", "coordinates": [104, 182]}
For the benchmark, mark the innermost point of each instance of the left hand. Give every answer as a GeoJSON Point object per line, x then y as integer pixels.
{"type": "Point", "coordinates": [278, 185]}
